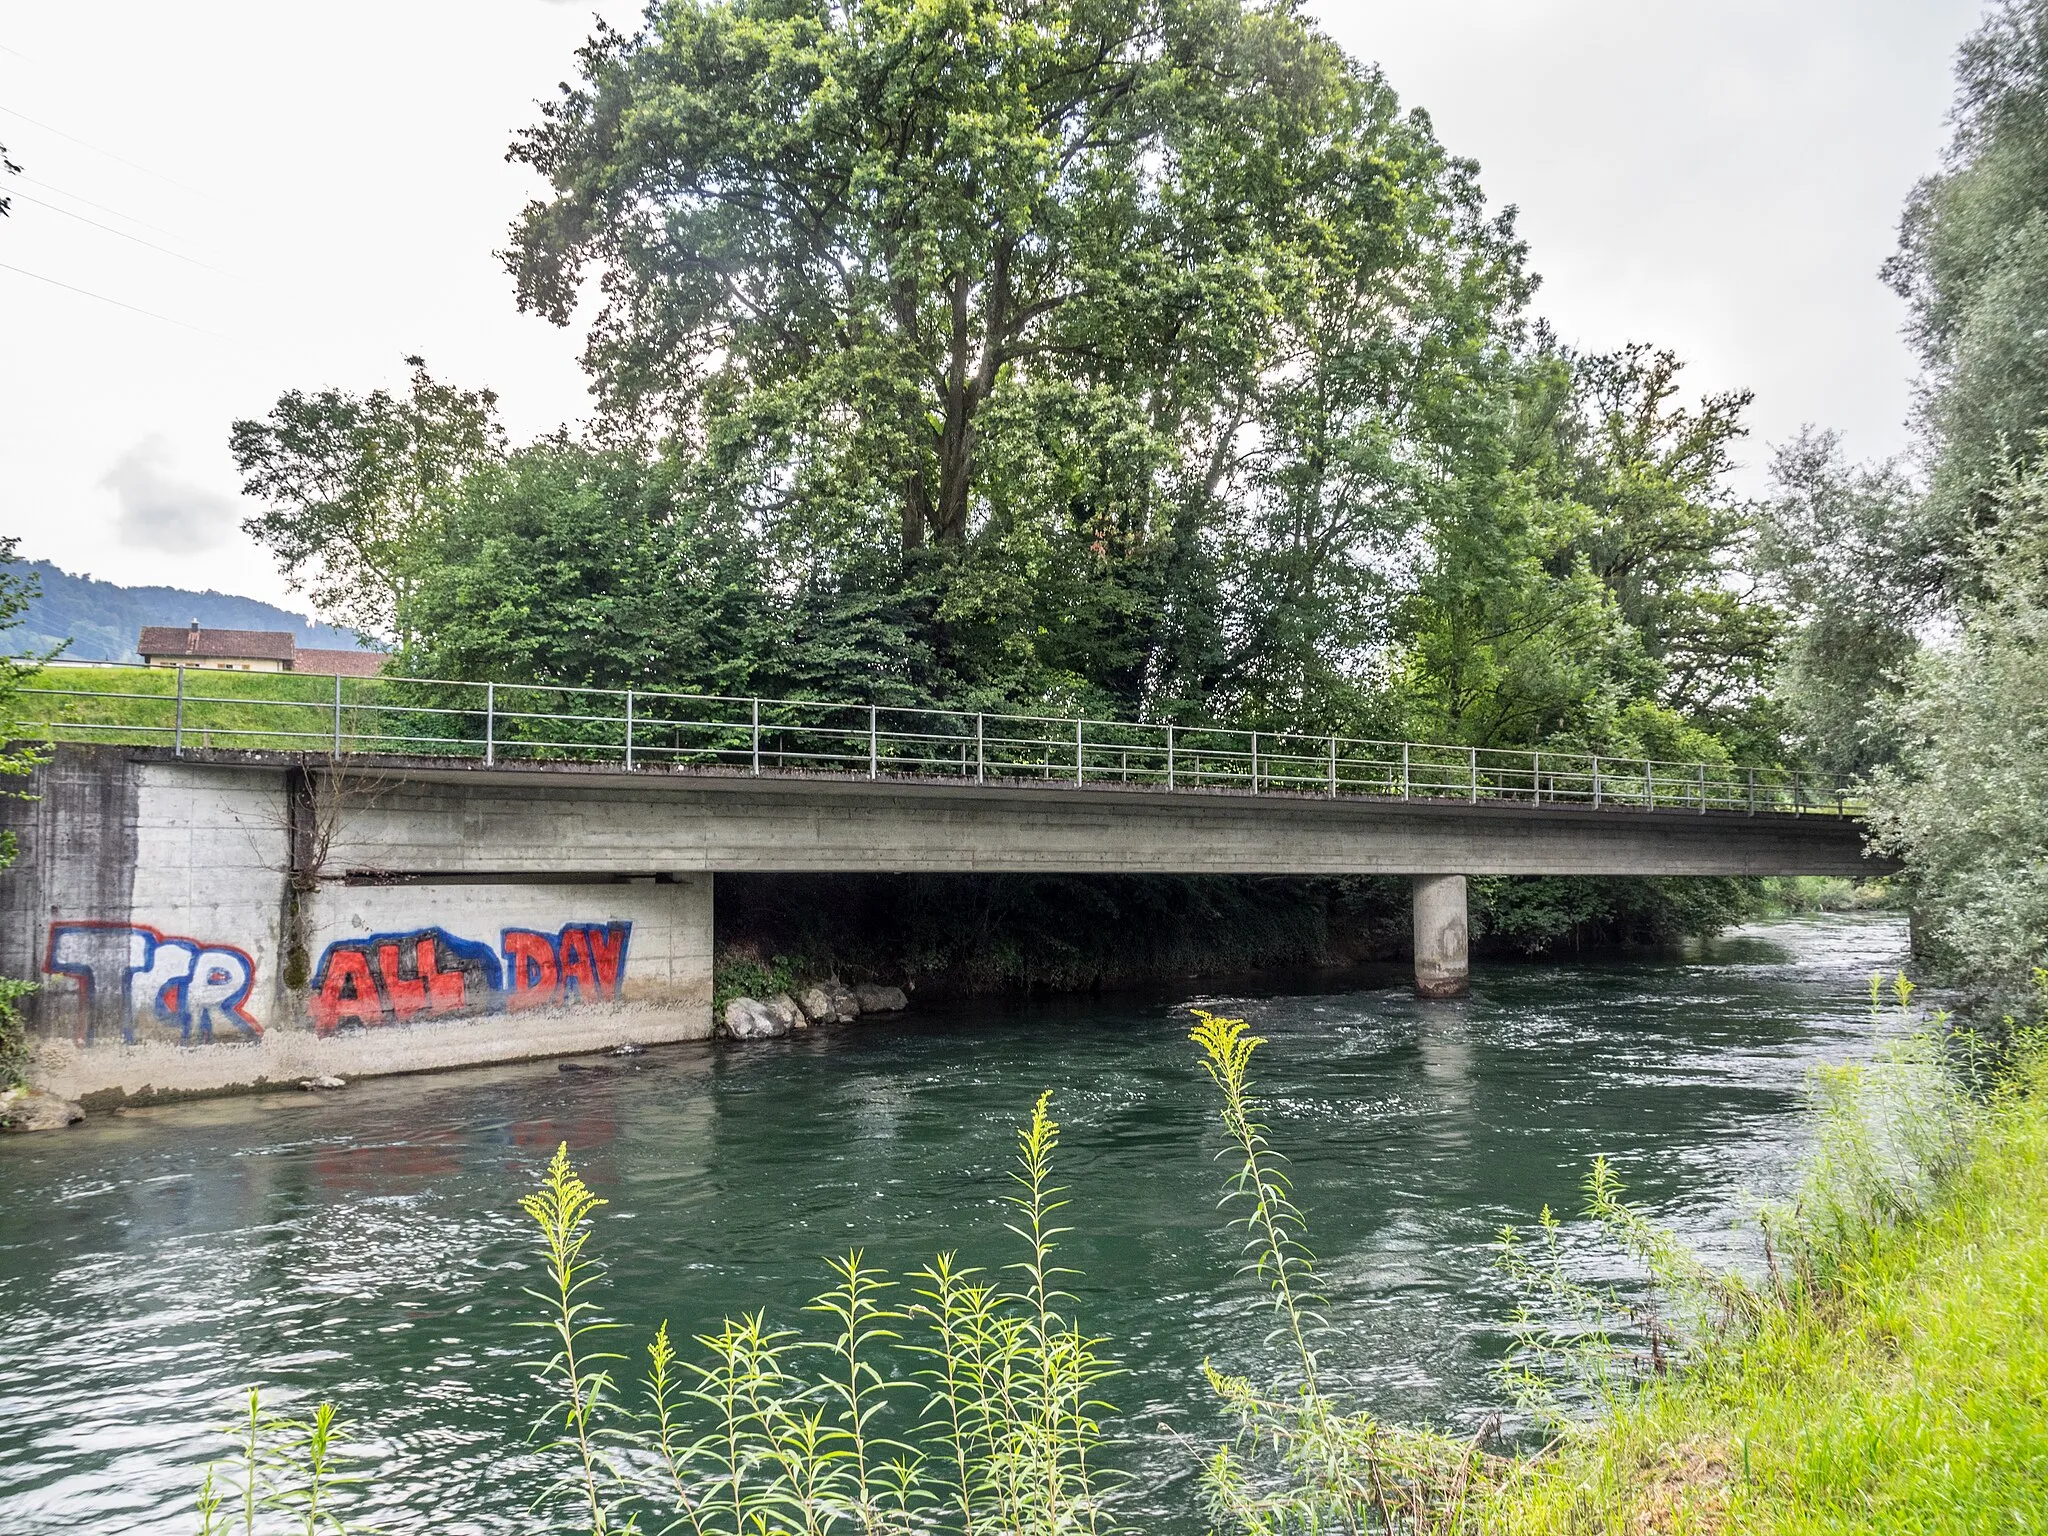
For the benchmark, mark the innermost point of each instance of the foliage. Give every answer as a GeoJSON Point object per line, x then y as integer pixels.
{"type": "Point", "coordinates": [1963, 807]}
{"type": "Point", "coordinates": [1595, 587]}
{"type": "Point", "coordinates": [1849, 554]}
{"type": "Point", "coordinates": [353, 486]}
{"type": "Point", "coordinates": [1557, 914]}
{"type": "Point", "coordinates": [290, 1468]}
{"type": "Point", "coordinates": [17, 760]}
{"type": "Point", "coordinates": [968, 1407]}
{"type": "Point", "coordinates": [1972, 265]}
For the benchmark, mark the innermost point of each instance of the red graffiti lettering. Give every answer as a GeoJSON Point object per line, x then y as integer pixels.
{"type": "Point", "coordinates": [408, 995]}
{"type": "Point", "coordinates": [608, 952]}
{"type": "Point", "coordinates": [577, 972]}
{"type": "Point", "coordinates": [532, 974]}
{"type": "Point", "coordinates": [447, 991]}
{"type": "Point", "coordinates": [348, 993]}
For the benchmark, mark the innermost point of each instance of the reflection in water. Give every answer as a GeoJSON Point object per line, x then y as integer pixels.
{"type": "Point", "coordinates": [365, 1246]}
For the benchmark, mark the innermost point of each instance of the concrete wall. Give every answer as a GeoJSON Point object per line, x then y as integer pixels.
{"type": "Point", "coordinates": [154, 901]}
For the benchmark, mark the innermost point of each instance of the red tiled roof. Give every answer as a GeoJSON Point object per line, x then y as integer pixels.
{"type": "Point", "coordinates": [232, 644]}
{"type": "Point", "coordinates": [338, 663]}
{"type": "Point", "coordinates": [256, 645]}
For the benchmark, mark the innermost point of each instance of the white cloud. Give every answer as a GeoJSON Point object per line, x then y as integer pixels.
{"type": "Point", "coordinates": [156, 509]}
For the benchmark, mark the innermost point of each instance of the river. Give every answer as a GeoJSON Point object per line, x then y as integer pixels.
{"type": "Point", "coordinates": [365, 1246]}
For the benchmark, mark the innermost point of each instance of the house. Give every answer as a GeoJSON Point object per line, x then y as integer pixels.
{"type": "Point", "coordinates": [249, 650]}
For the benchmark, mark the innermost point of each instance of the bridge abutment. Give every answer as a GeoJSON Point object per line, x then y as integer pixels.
{"type": "Point", "coordinates": [1443, 966]}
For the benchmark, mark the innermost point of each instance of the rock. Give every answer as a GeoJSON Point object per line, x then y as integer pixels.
{"type": "Point", "coordinates": [322, 1084]}
{"type": "Point", "coordinates": [874, 999]}
{"type": "Point", "coordinates": [31, 1109]}
{"type": "Point", "coordinates": [786, 1005]}
{"type": "Point", "coordinates": [830, 1002]}
{"type": "Point", "coordinates": [748, 1018]}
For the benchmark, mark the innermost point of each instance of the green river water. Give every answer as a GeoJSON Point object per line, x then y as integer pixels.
{"type": "Point", "coordinates": [366, 1247]}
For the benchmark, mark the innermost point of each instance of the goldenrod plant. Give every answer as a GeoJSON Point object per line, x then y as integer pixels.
{"type": "Point", "coordinates": [971, 1408]}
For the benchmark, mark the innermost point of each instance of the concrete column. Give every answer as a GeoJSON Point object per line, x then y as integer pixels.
{"type": "Point", "coordinates": [1442, 967]}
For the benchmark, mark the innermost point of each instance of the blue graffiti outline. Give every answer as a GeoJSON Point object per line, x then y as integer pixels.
{"type": "Point", "coordinates": [466, 949]}
{"type": "Point", "coordinates": [233, 1006]}
{"type": "Point", "coordinates": [622, 927]}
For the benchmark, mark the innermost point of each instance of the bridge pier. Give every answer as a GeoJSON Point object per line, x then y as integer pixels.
{"type": "Point", "coordinates": [1443, 966]}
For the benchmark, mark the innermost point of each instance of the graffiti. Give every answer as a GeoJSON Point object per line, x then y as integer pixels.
{"type": "Point", "coordinates": [132, 976]}
{"type": "Point", "coordinates": [396, 978]}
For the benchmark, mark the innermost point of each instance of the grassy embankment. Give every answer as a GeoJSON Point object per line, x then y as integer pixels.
{"type": "Point", "coordinates": [138, 706]}
{"type": "Point", "coordinates": [1904, 1388]}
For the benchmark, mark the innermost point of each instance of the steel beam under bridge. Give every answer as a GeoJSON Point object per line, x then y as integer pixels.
{"type": "Point", "coordinates": [423, 819]}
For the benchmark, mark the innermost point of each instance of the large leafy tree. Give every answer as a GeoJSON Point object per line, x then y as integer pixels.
{"type": "Point", "coordinates": [1157, 318]}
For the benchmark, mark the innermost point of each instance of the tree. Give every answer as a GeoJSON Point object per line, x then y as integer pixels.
{"type": "Point", "coordinates": [1590, 586]}
{"type": "Point", "coordinates": [1847, 553]}
{"type": "Point", "coordinates": [1157, 319]}
{"type": "Point", "coordinates": [356, 485]}
{"type": "Point", "coordinates": [1972, 265]}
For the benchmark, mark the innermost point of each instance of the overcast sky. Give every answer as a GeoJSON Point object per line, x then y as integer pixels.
{"type": "Point", "coordinates": [285, 195]}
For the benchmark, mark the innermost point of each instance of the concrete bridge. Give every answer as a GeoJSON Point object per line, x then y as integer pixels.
{"type": "Point", "coordinates": [208, 919]}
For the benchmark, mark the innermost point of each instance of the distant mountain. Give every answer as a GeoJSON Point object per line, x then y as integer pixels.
{"type": "Point", "coordinates": [102, 620]}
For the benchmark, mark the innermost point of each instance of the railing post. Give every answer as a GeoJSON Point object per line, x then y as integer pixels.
{"type": "Point", "coordinates": [1650, 782]}
{"type": "Point", "coordinates": [1703, 787]}
{"type": "Point", "coordinates": [178, 716]}
{"type": "Point", "coordinates": [629, 730]}
{"type": "Point", "coordinates": [1752, 791]}
{"type": "Point", "coordinates": [980, 752]}
{"type": "Point", "coordinates": [1333, 767]}
{"type": "Point", "coordinates": [1169, 754]}
{"type": "Point", "coordinates": [1404, 770]}
{"type": "Point", "coordinates": [337, 714]}
{"type": "Point", "coordinates": [757, 735]}
{"type": "Point", "coordinates": [1536, 777]}
{"type": "Point", "coordinates": [1255, 762]}
{"type": "Point", "coordinates": [1474, 751]}
{"type": "Point", "coordinates": [1596, 781]}
{"type": "Point", "coordinates": [1077, 751]}
{"type": "Point", "coordinates": [490, 724]}
{"type": "Point", "coordinates": [874, 741]}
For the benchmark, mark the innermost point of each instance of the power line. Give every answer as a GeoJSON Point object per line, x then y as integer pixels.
{"type": "Point", "coordinates": [51, 186]}
{"type": "Point", "coordinates": [96, 224]}
{"type": "Point", "coordinates": [122, 159]}
{"type": "Point", "coordinates": [117, 303]}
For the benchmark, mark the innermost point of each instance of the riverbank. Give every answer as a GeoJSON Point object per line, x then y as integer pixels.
{"type": "Point", "coordinates": [1907, 1391]}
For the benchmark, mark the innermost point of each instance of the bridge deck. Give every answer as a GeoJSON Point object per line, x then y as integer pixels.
{"type": "Point", "coordinates": [428, 819]}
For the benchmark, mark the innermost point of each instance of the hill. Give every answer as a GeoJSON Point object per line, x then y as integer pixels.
{"type": "Point", "coordinates": [101, 620]}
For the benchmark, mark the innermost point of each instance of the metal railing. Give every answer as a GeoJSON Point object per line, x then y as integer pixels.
{"type": "Point", "coordinates": [186, 708]}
